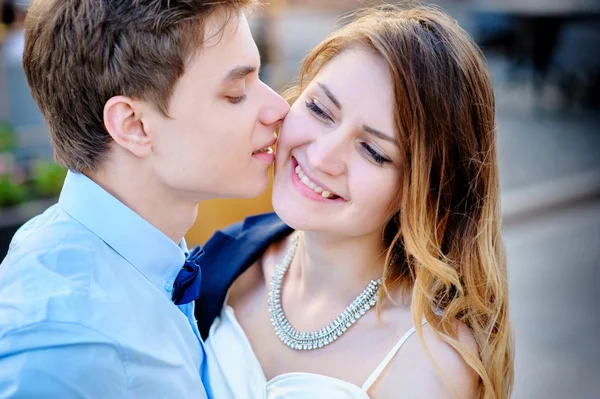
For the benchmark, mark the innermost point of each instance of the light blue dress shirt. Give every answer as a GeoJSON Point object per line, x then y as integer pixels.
{"type": "Point", "coordinates": [85, 306]}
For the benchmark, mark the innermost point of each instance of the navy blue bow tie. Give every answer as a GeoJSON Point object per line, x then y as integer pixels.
{"type": "Point", "coordinates": [187, 284]}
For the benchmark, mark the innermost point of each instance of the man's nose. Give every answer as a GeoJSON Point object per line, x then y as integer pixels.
{"type": "Point", "coordinates": [275, 110]}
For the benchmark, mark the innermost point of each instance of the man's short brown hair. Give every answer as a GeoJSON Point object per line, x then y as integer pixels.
{"type": "Point", "coordinates": [80, 53]}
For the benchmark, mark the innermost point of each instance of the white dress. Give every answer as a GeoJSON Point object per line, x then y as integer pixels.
{"type": "Point", "coordinates": [234, 370]}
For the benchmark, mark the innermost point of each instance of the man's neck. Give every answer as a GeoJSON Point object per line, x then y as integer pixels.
{"type": "Point", "coordinates": [158, 205]}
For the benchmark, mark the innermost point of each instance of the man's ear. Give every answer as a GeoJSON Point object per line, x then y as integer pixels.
{"type": "Point", "coordinates": [122, 120]}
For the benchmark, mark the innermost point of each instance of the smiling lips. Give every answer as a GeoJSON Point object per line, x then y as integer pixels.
{"type": "Point", "coordinates": [314, 186]}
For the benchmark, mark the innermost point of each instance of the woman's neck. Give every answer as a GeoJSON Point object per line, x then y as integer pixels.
{"type": "Point", "coordinates": [335, 266]}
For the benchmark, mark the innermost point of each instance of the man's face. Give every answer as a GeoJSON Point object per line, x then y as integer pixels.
{"type": "Point", "coordinates": [221, 118]}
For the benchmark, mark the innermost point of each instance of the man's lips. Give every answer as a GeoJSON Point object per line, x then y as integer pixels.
{"type": "Point", "coordinates": [267, 147]}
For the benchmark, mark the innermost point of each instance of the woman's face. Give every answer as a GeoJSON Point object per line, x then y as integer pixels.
{"type": "Point", "coordinates": [337, 164]}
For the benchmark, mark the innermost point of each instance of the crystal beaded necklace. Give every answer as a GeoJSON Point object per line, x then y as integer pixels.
{"type": "Point", "coordinates": [299, 340]}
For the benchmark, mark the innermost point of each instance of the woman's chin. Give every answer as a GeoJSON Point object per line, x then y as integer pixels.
{"type": "Point", "coordinates": [290, 214]}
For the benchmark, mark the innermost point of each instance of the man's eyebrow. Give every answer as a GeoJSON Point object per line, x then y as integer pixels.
{"type": "Point", "coordinates": [378, 134]}
{"type": "Point", "coordinates": [239, 73]}
{"type": "Point", "coordinates": [329, 94]}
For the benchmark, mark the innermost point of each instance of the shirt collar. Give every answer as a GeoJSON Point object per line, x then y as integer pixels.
{"type": "Point", "coordinates": [141, 244]}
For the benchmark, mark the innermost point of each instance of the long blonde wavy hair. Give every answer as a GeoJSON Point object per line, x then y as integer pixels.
{"type": "Point", "coordinates": [444, 237]}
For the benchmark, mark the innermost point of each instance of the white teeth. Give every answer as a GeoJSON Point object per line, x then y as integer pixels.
{"type": "Point", "coordinates": [267, 150]}
{"type": "Point", "coordinates": [307, 182]}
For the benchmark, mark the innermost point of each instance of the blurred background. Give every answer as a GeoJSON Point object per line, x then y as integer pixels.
{"type": "Point", "coordinates": [545, 60]}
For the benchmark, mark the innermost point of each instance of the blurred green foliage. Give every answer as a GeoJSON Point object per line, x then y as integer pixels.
{"type": "Point", "coordinates": [25, 182]}
{"type": "Point", "coordinates": [7, 137]}
{"type": "Point", "coordinates": [11, 192]}
{"type": "Point", "coordinates": [47, 178]}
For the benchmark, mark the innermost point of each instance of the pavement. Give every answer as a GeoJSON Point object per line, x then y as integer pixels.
{"type": "Point", "coordinates": [554, 272]}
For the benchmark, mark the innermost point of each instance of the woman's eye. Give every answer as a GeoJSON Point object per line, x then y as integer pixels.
{"type": "Point", "coordinates": [236, 100]}
{"type": "Point", "coordinates": [374, 155]}
{"type": "Point", "coordinates": [318, 111]}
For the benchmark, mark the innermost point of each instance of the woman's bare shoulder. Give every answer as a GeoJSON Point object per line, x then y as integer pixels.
{"type": "Point", "coordinates": [413, 373]}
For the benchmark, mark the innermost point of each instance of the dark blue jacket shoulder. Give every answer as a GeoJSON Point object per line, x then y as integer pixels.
{"type": "Point", "coordinates": [227, 254]}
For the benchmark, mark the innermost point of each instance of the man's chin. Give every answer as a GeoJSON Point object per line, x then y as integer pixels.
{"type": "Point", "coordinates": [250, 188]}
{"type": "Point", "coordinates": [256, 191]}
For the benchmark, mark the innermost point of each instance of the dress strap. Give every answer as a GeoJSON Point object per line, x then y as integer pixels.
{"type": "Point", "coordinates": [375, 374]}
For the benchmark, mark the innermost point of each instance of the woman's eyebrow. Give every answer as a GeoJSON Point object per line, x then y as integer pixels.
{"type": "Point", "coordinates": [329, 94]}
